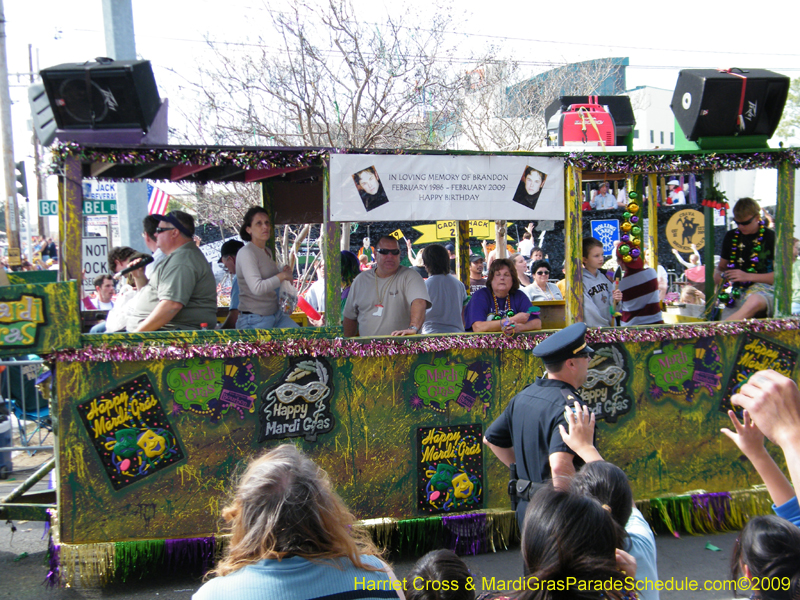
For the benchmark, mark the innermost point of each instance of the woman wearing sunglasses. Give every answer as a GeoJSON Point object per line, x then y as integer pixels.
{"type": "Point", "coordinates": [747, 263]}
{"type": "Point", "coordinates": [541, 289]}
{"type": "Point", "coordinates": [259, 276]}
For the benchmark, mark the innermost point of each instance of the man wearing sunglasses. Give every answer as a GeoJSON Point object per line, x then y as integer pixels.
{"type": "Point", "coordinates": [386, 300]}
{"type": "Point", "coordinates": [747, 261]}
{"type": "Point", "coordinates": [182, 292]}
{"type": "Point", "coordinates": [149, 226]}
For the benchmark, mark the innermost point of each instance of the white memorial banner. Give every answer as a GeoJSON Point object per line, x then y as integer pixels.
{"type": "Point", "coordinates": [377, 187]}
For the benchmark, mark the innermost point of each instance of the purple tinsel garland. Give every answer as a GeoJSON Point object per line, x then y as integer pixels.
{"type": "Point", "coordinates": [53, 577]}
{"type": "Point", "coordinates": [466, 534]}
{"type": "Point", "coordinates": [719, 502]}
{"type": "Point", "coordinates": [188, 553]}
{"type": "Point", "coordinates": [349, 347]}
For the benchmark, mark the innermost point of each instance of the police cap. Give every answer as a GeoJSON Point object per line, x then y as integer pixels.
{"type": "Point", "coordinates": [570, 342]}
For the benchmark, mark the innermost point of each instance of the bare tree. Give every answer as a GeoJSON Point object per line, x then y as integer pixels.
{"type": "Point", "coordinates": [789, 125]}
{"type": "Point", "coordinates": [224, 205]}
{"type": "Point", "coordinates": [502, 107]}
{"type": "Point", "coordinates": [328, 79]}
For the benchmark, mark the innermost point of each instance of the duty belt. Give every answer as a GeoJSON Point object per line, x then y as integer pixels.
{"type": "Point", "coordinates": [520, 489]}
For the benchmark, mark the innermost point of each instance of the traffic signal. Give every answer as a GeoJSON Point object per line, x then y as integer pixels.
{"type": "Point", "coordinates": [22, 181]}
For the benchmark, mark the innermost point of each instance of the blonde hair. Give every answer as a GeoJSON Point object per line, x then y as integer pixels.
{"type": "Point", "coordinates": [691, 295]}
{"type": "Point", "coordinates": [284, 505]}
{"type": "Point", "coordinates": [746, 207]}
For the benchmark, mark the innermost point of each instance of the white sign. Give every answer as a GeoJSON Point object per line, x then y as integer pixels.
{"type": "Point", "coordinates": [101, 220]}
{"type": "Point", "coordinates": [99, 190]}
{"type": "Point", "coordinates": [374, 187]}
{"type": "Point", "coordinates": [95, 259]}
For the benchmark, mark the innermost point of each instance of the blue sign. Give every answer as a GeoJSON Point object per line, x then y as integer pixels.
{"type": "Point", "coordinates": [607, 231]}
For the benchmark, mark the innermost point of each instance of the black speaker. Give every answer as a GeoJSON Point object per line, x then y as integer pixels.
{"type": "Point", "coordinates": [102, 95]}
{"type": "Point", "coordinates": [619, 107]}
{"type": "Point", "coordinates": [708, 103]}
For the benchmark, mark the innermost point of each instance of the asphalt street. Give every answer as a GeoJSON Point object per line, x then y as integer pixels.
{"type": "Point", "coordinates": [23, 568]}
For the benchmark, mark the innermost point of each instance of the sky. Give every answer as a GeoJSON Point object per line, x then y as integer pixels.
{"type": "Point", "coordinates": [660, 39]}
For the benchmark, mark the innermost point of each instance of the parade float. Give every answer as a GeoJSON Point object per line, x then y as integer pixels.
{"type": "Point", "coordinates": [152, 427]}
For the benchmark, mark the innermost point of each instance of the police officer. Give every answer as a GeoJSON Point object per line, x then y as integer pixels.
{"type": "Point", "coordinates": [527, 431]}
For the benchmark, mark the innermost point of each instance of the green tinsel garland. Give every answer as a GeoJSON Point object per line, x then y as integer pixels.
{"type": "Point", "coordinates": [678, 513]}
{"type": "Point", "coordinates": [418, 536]}
{"type": "Point", "coordinates": [137, 559]}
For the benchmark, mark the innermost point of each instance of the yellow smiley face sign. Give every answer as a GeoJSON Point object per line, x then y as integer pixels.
{"type": "Point", "coordinates": [684, 228]}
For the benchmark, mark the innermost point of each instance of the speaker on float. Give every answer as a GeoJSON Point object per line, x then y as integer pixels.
{"type": "Point", "coordinates": [105, 94]}
{"type": "Point", "coordinates": [734, 102]}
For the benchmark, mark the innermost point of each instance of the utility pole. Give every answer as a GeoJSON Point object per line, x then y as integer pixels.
{"type": "Point", "coordinates": [42, 229]}
{"type": "Point", "coordinates": [7, 143]}
{"type": "Point", "coordinates": [131, 197]}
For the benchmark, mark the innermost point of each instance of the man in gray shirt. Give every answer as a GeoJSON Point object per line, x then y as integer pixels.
{"type": "Point", "coordinates": [182, 292]}
{"type": "Point", "coordinates": [386, 300]}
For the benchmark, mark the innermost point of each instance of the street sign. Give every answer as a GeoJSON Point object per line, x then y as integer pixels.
{"type": "Point", "coordinates": [48, 208]}
{"type": "Point", "coordinates": [95, 259]}
{"type": "Point", "coordinates": [99, 207]}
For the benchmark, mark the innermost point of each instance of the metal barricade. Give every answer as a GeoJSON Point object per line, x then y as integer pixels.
{"type": "Point", "coordinates": [25, 423]}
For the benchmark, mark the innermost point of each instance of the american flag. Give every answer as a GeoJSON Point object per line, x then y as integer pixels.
{"type": "Point", "coordinates": [157, 200]}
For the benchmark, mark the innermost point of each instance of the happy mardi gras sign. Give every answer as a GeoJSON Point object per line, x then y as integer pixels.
{"type": "Point", "coordinates": [38, 318]}
{"type": "Point", "coordinates": [605, 391]}
{"type": "Point", "coordinates": [130, 432]}
{"type": "Point", "coordinates": [449, 468]}
{"type": "Point", "coordinates": [756, 354]}
{"type": "Point", "coordinates": [299, 405]}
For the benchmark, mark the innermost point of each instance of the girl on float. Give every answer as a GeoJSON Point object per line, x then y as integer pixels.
{"type": "Point", "coordinates": [522, 269]}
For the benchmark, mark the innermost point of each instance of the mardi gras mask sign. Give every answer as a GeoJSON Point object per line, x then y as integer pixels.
{"type": "Point", "coordinates": [604, 390]}
{"type": "Point", "coordinates": [130, 432]}
{"type": "Point", "coordinates": [299, 405]}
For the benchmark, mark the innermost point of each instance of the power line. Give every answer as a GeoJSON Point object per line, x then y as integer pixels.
{"type": "Point", "coordinates": [487, 36]}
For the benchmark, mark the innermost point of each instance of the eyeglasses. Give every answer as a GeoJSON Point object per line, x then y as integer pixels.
{"type": "Point", "coordinates": [163, 229]}
{"type": "Point", "coordinates": [750, 220]}
{"type": "Point", "coordinates": [386, 251]}
{"type": "Point", "coordinates": [543, 272]}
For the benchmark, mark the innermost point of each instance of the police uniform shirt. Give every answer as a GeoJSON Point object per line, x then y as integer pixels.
{"type": "Point", "coordinates": [530, 424]}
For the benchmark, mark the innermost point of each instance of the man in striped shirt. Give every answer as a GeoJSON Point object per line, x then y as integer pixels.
{"type": "Point", "coordinates": [639, 286]}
